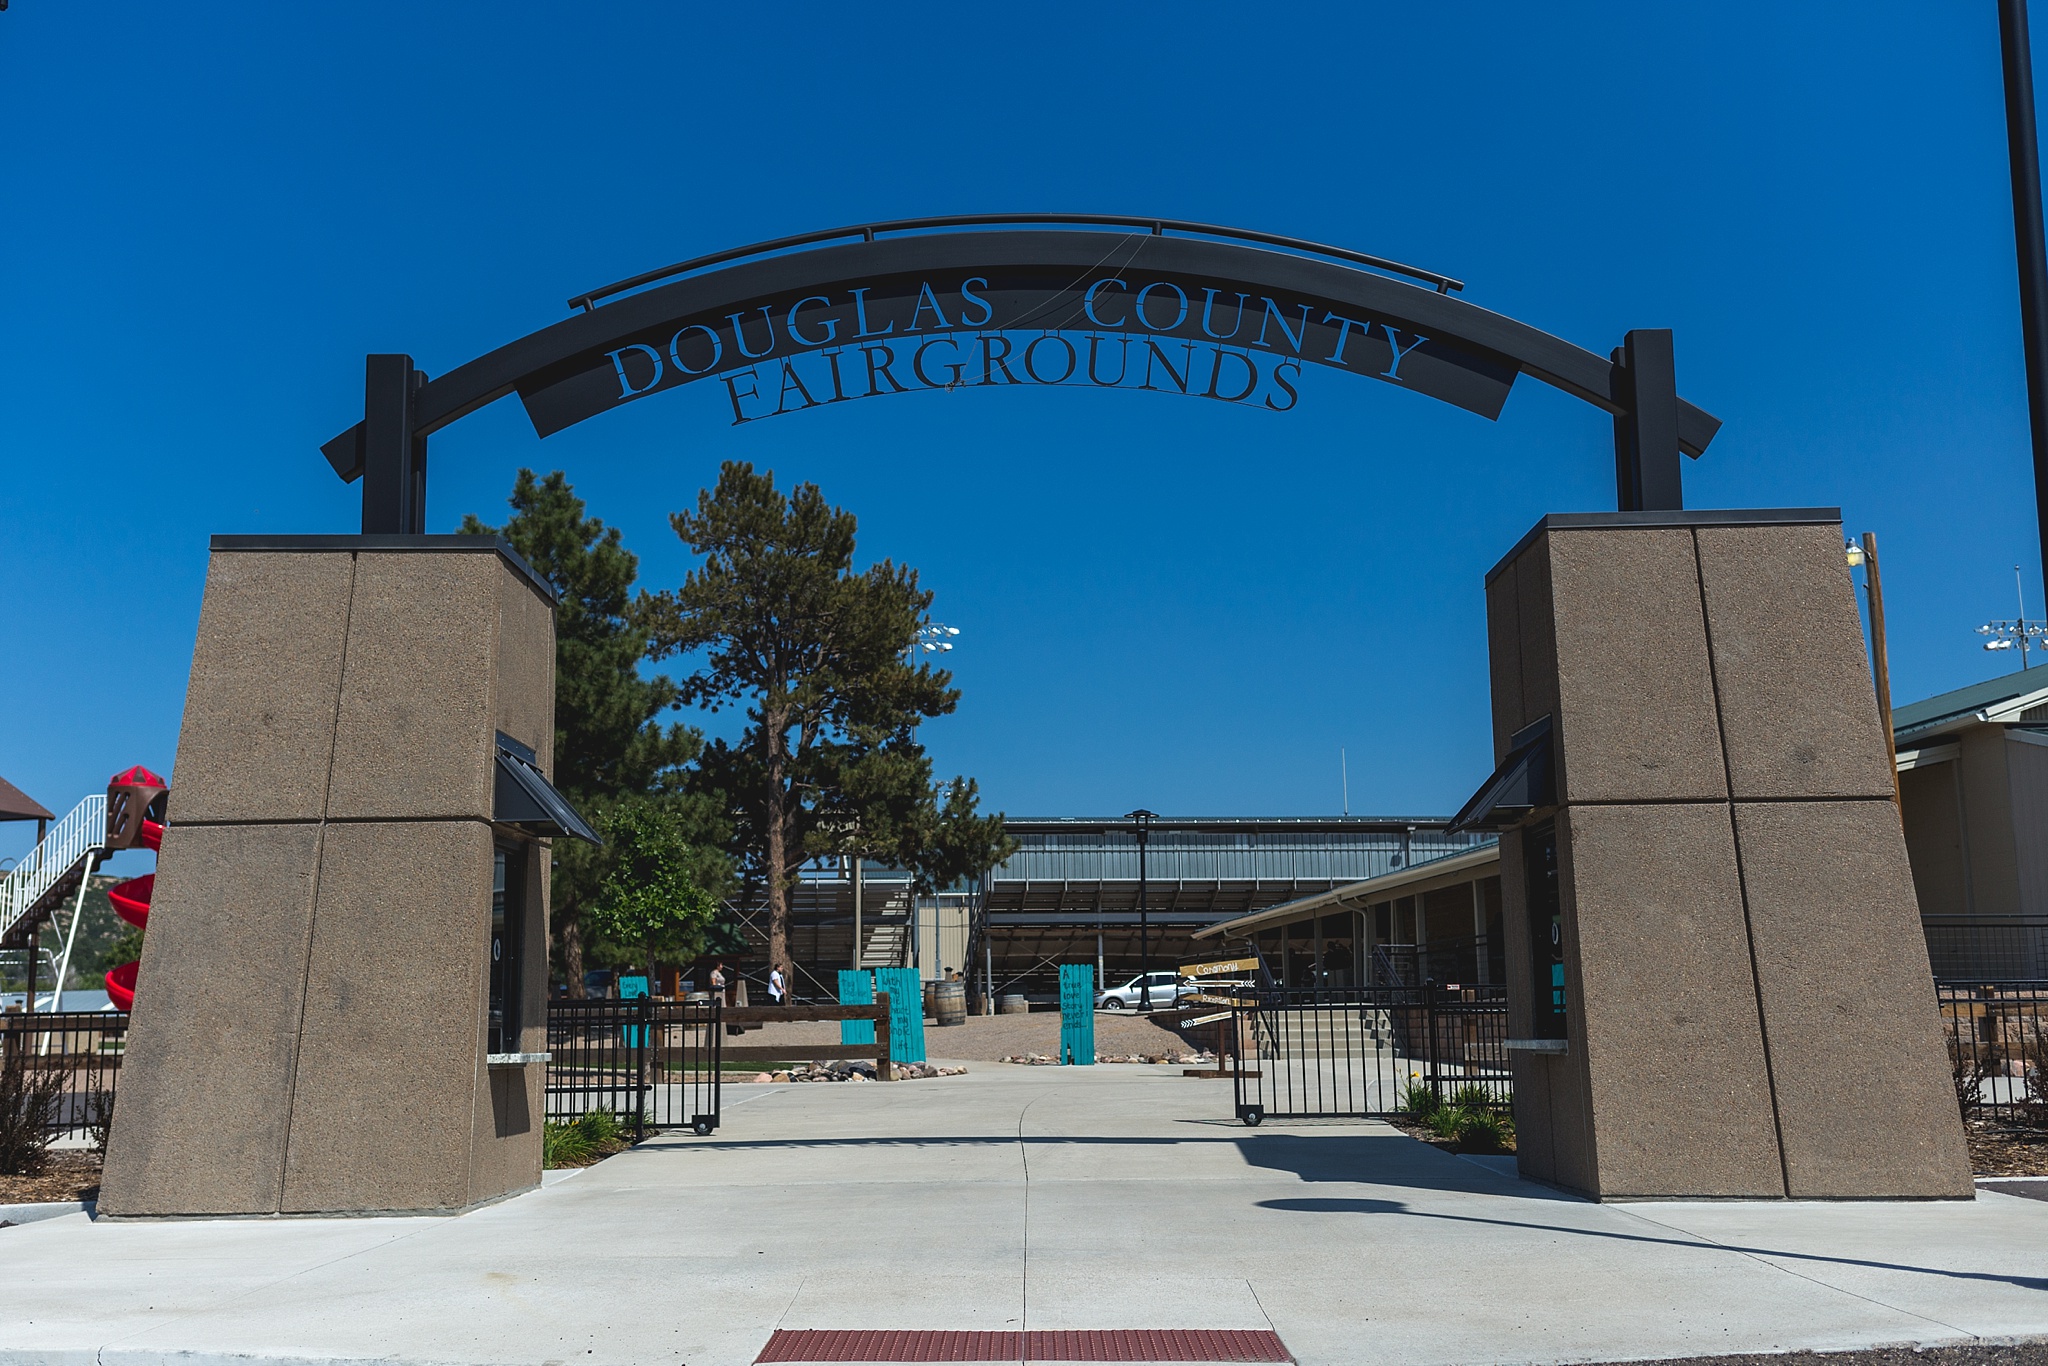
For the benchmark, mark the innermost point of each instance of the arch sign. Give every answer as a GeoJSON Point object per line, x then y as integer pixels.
{"type": "Point", "coordinates": [990, 303]}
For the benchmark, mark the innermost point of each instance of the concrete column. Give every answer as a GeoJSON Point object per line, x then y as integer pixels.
{"type": "Point", "coordinates": [309, 1033]}
{"type": "Point", "coordinates": [1748, 1001]}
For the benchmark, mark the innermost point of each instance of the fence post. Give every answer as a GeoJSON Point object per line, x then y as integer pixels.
{"type": "Point", "coordinates": [644, 1008]}
{"type": "Point", "coordinates": [714, 1034]}
{"type": "Point", "coordinates": [1436, 1088]}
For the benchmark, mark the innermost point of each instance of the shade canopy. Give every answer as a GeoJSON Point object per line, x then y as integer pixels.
{"type": "Point", "coordinates": [16, 805]}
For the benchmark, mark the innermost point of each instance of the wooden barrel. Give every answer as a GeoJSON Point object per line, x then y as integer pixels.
{"type": "Point", "coordinates": [1013, 1005]}
{"type": "Point", "coordinates": [931, 1000]}
{"type": "Point", "coordinates": [951, 1002]}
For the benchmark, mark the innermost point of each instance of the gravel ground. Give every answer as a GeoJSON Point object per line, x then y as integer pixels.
{"type": "Point", "coordinates": [988, 1038]}
{"type": "Point", "coordinates": [2010, 1354]}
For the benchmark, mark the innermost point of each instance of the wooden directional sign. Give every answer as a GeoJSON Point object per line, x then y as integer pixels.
{"type": "Point", "coordinates": [1219, 969]}
{"type": "Point", "coordinates": [1205, 1019]}
{"type": "Point", "coordinates": [1202, 999]}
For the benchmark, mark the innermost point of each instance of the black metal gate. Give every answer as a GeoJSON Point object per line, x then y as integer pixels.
{"type": "Point", "coordinates": [654, 1064]}
{"type": "Point", "coordinates": [1356, 1052]}
{"type": "Point", "coordinates": [71, 1059]}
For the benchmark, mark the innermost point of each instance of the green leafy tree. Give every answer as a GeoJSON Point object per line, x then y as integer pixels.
{"type": "Point", "coordinates": [657, 898]}
{"type": "Point", "coordinates": [777, 620]}
{"type": "Point", "coordinates": [608, 743]}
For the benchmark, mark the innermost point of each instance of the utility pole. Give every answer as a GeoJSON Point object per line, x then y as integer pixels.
{"type": "Point", "coordinates": [2022, 148]}
{"type": "Point", "coordinates": [1143, 820]}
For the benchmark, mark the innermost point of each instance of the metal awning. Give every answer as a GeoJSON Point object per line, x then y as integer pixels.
{"type": "Point", "coordinates": [1449, 870]}
{"type": "Point", "coordinates": [524, 797]}
{"type": "Point", "coordinates": [1525, 782]}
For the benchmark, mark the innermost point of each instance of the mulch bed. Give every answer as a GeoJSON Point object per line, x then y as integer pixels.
{"type": "Point", "coordinates": [1997, 1150]}
{"type": "Point", "coordinates": [1450, 1145]}
{"type": "Point", "coordinates": [70, 1176]}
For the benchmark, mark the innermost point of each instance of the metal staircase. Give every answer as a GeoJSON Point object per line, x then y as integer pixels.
{"type": "Point", "coordinates": [1330, 1032]}
{"type": "Point", "coordinates": [52, 872]}
{"type": "Point", "coordinates": [886, 944]}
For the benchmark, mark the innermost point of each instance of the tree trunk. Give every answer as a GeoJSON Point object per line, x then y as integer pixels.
{"type": "Point", "coordinates": [778, 854]}
{"type": "Point", "coordinates": [571, 931]}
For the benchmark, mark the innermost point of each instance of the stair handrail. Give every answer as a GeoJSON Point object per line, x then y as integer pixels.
{"type": "Point", "coordinates": [82, 832]}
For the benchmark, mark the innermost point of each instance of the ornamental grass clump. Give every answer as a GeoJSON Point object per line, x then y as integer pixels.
{"type": "Point", "coordinates": [579, 1142]}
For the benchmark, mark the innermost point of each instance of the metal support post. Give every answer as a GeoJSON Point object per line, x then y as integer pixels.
{"type": "Point", "coordinates": [394, 459]}
{"type": "Point", "coordinates": [70, 938]}
{"type": "Point", "coordinates": [2016, 50]}
{"type": "Point", "coordinates": [1647, 477]}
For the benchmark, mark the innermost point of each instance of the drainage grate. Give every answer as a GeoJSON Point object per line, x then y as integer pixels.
{"type": "Point", "coordinates": [1118, 1344]}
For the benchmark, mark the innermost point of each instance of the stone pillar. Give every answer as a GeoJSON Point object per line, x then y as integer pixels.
{"type": "Point", "coordinates": [1748, 1007]}
{"type": "Point", "coordinates": [309, 1033]}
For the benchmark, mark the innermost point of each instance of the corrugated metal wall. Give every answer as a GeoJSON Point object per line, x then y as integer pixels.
{"type": "Point", "coordinates": [1201, 855]}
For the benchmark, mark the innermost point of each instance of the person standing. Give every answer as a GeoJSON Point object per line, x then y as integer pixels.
{"type": "Point", "coordinates": [718, 982]}
{"type": "Point", "coordinates": [775, 986]}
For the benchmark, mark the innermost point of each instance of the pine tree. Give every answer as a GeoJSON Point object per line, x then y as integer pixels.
{"type": "Point", "coordinates": [818, 654]}
{"type": "Point", "coordinates": [608, 743]}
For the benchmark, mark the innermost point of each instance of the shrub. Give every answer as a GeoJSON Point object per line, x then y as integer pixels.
{"type": "Point", "coordinates": [1481, 1131]}
{"type": "Point", "coordinates": [600, 1128]}
{"type": "Point", "coordinates": [1472, 1096]}
{"type": "Point", "coordinates": [583, 1140]}
{"type": "Point", "coordinates": [99, 1119]}
{"type": "Point", "coordinates": [563, 1145]}
{"type": "Point", "coordinates": [1420, 1101]}
{"type": "Point", "coordinates": [29, 1097]}
{"type": "Point", "coordinates": [1970, 1068]}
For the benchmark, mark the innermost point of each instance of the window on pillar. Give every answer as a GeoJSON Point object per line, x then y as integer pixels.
{"type": "Point", "coordinates": [508, 934]}
{"type": "Point", "coordinates": [1546, 931]}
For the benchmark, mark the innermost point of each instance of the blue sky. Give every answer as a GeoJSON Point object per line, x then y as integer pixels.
{"type": "Point", "coordinates": [215, 211]}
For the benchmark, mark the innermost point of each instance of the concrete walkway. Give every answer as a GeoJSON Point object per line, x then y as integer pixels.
{"type": "Point", "coordinates": [1016, 1197]}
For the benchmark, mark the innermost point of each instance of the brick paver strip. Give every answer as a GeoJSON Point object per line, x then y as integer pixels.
{"type": "Point", "coordinates": [1119, 1344]}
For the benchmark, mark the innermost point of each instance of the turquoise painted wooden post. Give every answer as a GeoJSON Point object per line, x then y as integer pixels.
{"type": "Point", "coordinates": [856, 988]}
{"type": "Point", "coordinates": [631, 989]}
{"type": "Point", "coordinates": [1077, 1014]}
{"type": "Point", "coordinates": [906, 1012]}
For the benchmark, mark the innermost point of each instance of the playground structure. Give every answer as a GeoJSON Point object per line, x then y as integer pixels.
{"type": "Point", "coordinates": [129, 815]}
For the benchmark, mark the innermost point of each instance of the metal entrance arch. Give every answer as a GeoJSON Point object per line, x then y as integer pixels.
{"type": "Point", "coordinates": [937, 303]}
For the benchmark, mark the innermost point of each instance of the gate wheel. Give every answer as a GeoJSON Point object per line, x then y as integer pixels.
{"type": "Point", "coordinates": [1252, 1115]}
{"type": "Point", "coordinates": [701, 1127]}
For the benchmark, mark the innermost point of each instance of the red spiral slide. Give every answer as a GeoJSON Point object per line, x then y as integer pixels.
{"type": "Point", "coordinates": [131, 898]}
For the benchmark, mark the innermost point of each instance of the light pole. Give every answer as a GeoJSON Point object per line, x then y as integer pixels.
{"type": "Point", "coordinates": [1143, 819]}
{"type": "Point", "coordinates": [2019, 631]}
{"type": "Point", "coordinates": [932, 638]}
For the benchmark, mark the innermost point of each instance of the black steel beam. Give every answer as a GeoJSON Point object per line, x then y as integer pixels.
{"type": "Point", "coordinates": [2024, 152]}
{"type": "Point", "coordinates": [1647, 470]}
{"type": "Point", "coordinates": [394, 455]}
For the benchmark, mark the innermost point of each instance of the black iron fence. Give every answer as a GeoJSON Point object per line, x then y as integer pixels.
{"type": "Point", "coordinates": [1968, 949]}
{"type": "Point", "coordinates": [1998, 1048]}
{"type": "Point", "coordinates": [652, 1063]}
{"type": "Point", "coordinates": [75, 1054]}
{"type": "Point", "coordinates": [1356, 1052]}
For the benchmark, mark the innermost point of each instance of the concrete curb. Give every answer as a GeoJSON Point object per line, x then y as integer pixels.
{"type": "Point", "coordinates": [43, 1209]}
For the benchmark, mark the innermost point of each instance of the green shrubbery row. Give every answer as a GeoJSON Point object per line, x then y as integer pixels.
{"type": "Point", "coordinates": [1467, 1116]}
